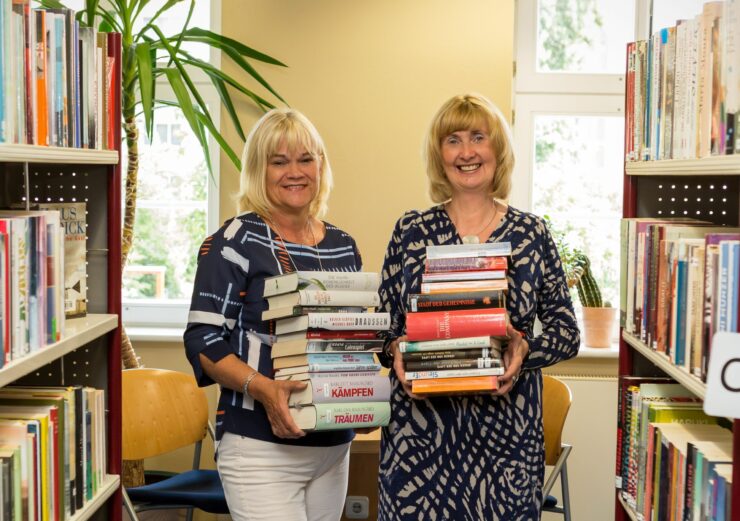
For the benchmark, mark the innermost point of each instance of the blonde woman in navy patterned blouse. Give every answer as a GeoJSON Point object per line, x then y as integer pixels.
{"type": "Point", "coordinates": [473, 457]}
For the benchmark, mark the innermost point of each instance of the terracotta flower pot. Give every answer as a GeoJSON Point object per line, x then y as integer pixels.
{"type": "Point", "coordinates": [598, 325]}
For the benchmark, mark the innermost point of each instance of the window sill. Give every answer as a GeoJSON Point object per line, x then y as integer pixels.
{"type": "Point", "coordinates": [599, 352]}
{"type": "Point", "coordinates": [155, 334]}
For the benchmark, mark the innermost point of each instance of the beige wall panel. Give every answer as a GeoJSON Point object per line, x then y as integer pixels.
{"type": "Point", "coordinates": [370, 74]}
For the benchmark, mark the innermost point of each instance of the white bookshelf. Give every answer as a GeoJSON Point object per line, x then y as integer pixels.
{"type": "Point", "coordinates": [78, 332]}
{"type": "Point", "coordinates": [665, 364]}
{"type": "Point", "coordinates": [708, 166]}
{"type": "Point", "coordinates": [107, 488]}
{"type": "Point", "coordinates": [10, 153]}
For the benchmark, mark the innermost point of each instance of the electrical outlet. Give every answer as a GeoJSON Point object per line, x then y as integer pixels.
{"type": "Point", "coordinates": [357, 507]}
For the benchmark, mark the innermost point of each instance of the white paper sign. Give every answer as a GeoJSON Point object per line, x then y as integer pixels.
{"type": "Point", "coordinates": [723, 377]}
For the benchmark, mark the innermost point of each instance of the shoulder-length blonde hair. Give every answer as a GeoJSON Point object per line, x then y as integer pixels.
{"type": "Point", "coordinates": [468, 112]}
{"type": "Point", "coordinates": [280, 126]}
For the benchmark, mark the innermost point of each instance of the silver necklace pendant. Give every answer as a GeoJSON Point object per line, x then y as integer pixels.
{"type": "Point", "coordinates": [471, 239]}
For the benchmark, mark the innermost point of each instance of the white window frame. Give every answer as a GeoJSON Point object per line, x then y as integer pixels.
{"type": "Point", "coordinates": [165, 319]}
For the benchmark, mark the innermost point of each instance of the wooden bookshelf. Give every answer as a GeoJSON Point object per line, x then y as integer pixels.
{"type": "Point", "coordinates": [661, 360]}
{"type": "Point", "coordinates": [89, 353]}
{"type": "Point", "coordinates": [108, 488]}
{"type": "Point", "coordinates": [79, 332]}
{"type": "Point", "coordinates": [59, 156]}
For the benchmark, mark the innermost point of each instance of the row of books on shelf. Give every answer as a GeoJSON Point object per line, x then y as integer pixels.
{"type": "Point", "coordinates": [42, 276]}
{"type": "Point", "coordinates": [52, 450]}
{"type": "Point", "coordinates": [327, 337]}
{"type": "Point", "coordinates": [680, 285]}
{"type": "Point", "coordinates": [56, 79]}
{"type": "Point", "coordinates": [456, 322]}
{"type": "Point", "coordinates": [674, 462]}
{"type": "Point", "coordinates": [683, 87]}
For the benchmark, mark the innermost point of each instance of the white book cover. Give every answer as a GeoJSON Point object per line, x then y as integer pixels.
{"type": "Point", "coordinates": [321, 280]}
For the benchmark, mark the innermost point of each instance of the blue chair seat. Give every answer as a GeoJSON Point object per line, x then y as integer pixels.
{"type": "Point", "coordinates": [550, 502]}
{"type": "Point", "coordinates": [199, 488]}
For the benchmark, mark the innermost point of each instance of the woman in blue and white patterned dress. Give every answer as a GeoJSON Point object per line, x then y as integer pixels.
{"type": "Point", "coordinates": [473, 457]}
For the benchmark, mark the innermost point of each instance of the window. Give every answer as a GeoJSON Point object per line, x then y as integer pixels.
{"type": "Point", "coordinates": [569, 122]}
{"type": "Point", "coordinates": [177, 201]}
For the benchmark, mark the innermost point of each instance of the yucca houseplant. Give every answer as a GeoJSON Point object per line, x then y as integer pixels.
{"type": "Point", "coordinates": [147, 55]}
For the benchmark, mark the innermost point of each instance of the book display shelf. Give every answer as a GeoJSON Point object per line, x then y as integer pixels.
{"type": "Point", "coordinates": [88, 354]}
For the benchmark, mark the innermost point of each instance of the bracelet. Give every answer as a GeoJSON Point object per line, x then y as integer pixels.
{"type": "Point", "coordinates": [245, 386]}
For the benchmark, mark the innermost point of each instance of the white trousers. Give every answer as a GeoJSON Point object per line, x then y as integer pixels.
{"type": "Point", "coordinates": [266, 481]}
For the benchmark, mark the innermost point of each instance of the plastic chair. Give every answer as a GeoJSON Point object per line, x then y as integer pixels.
{"type": "Point", "coordinates": [163, 411]}
{"type": "Point", "coordinates": [556, 400]}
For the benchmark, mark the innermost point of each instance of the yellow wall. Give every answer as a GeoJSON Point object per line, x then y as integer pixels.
{"type": "Point", "coordinates": [370, 74]}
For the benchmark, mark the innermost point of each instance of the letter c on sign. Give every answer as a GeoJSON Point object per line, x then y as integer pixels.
{"type": "Point", "coordinates": [734, 384]}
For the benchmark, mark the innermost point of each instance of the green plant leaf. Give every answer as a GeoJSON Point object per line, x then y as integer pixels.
{"type": "Point", "coordinates": [188, 110]}
{"type": "Point", "coordinates": [223, 93]}
{"type": "Point", "coordinates": [146, 84]}
{"type": "Point", "coordinates": [244, 64]}
{"type": "Point", "coordinates": [51, 4]}
{"type": "Point", "coordinates": [202, 35]}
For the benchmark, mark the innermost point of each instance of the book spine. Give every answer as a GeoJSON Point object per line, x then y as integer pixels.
{"type": "Point", "coordinates": [338, 298]}
{"type": "Point", "coordinates": [454, 373]}
{"type": "Point", "coordinates": [464, 275]}
{"type": "Point", "coordinates": [455, 386]}
{"type": "Point", "coordinates": [357, 346]}
{"type": "Point", "coordinates": [333, 389]}
{"type": "Point", "coordinates": [447, 355]}
{"type": "Point", "coordinates": [442, 301]}
{"type": "Point", "coordinates": [465, 264]}
{"type": "Point", "coordinates": [344, 335]}
{"type": "Point", "coordinates": [352, 415]}
{"type": "Point", "coordinates": [465, 363]}
{"type": "Point", "coordinates": [351, 321]}
{"type": "Point", "coordinates": [442, 345]}
{"type": "Point", "coordinates": [316, 367]}
{"type": "Point", "coordinates": [341, 358]}
{"type": "Point", "coordinates": [463, 286]}
{"type": "Point", "coordinates": [455, 324]}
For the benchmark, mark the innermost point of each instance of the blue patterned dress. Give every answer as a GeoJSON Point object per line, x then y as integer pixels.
{"type": "Point", "coordinates": [477, 457]}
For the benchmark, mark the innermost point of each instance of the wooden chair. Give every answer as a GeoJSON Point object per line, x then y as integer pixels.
{"type": "Point", "coordinates": [556, 400]}
{"type": "Point", "coordinates": [163, 411]}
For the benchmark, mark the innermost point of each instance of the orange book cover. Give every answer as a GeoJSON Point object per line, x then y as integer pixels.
{"type": "Point", "coordinates": [447, 386]}
{"type": "Point", "coordinates": [42, 110]}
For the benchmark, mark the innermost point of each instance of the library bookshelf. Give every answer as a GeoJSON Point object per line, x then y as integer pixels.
{"type": "Point", "coordinates": [679, 187]}
{"type": "Point", "coordinates": [89, 353]}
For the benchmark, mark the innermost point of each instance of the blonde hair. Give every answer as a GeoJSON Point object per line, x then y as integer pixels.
{"type": "Point", "coordinates": [294, 130]}
{"type": "Point", "coordinates": [468, 112]}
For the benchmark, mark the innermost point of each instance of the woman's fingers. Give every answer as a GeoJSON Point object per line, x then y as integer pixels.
{"type": "Point", "coordinates": [276, 406]}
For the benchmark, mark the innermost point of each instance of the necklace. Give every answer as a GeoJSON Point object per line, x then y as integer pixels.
{"type": "Point", "coordinates": [473, 238]}
{"type": "Point", "coordinates": [285, 247]}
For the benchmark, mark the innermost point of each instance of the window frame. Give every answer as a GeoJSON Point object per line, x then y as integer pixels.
{"type": "Point", "coordinates": [165, 319]}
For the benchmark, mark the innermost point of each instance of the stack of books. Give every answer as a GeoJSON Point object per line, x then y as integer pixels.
{"type": "Point", "coordinates": [455, 325]}
{"type": "Point", "coordinates": [327, 337]}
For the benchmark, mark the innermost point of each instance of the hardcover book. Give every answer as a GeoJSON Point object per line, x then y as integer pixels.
{"type": "Point", "coordinates": [334, 321]}
{"type": "Point", "coordinates": [342, 387]}
{"type": "Point", "coordinates": [301, 346]}
{"type": "Point", "coordinates": [321, 280]}
{"type": "Point", "coordinates": [453, 251]}
{"type": "Point", "coordinates": [436, 325]}
{"type": "Point", "coordinates": [324, 298]}
{"type": "Point", "coordinates": [335, 416]}
{"type": "Point", "coordinates": [455, 386]}
{"type": "Point", "coordinates": [74, 223]}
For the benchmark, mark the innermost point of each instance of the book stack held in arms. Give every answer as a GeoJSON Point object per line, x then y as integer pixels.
{"type": "Point", "coordinates": [327, 336]}
{"type": "Point", "coordinates": [455, 326]}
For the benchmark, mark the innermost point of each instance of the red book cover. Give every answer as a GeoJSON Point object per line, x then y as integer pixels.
{"type": "Point", "coordinates": [435, 325]}
{"type": "Point", "coordinates": [465, 264]}
{"type": "Point", "coordinates": [346, 335]}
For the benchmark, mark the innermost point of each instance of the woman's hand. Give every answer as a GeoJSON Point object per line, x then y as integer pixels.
{"type": "Point", "coordinates": [273, 395]}
{"type": "Point", "coordinates": [399, 368]}
{"type": "Point", "coordinates": [514, 355]}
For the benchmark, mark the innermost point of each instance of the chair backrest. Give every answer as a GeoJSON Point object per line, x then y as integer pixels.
{"type": "Point", "coordinates": [162, 411]}
{"type": "Point", "coordinates": [556, 400]}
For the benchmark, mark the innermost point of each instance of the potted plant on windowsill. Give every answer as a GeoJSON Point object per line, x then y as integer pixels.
{"type": "Point", "coordinates": [598, 316]}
